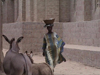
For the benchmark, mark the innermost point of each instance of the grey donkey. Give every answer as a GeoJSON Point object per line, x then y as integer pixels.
{"type": "Point", "coordinates": [16, 63]}
{"type": "Point", "coordinates": [39, 68]}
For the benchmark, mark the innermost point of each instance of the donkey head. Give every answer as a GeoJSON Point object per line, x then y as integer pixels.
{"type": "Point", "coordinates": [30, 55]}
{"type": "Point", "coordinates": [13, 44]}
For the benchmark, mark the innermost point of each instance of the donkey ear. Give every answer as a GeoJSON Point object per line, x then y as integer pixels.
{"type": "Point", "coordinates": [26, 52]}
{"type": "Point", "coordinates": [31, 53]}
{"type": "Point", "coordinates": [6, 39]}
{"type": "Point", "coordinates": [13, 39]}
{"type": "Point", "coordinates": [19, 39]}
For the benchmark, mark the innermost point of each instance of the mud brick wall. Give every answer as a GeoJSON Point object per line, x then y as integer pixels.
{"type": "Point", "coordinates": [77, 33]}
{"type": "Point", "coordinates": [84, 56]}
{"type": "Point", "coordinates": [11, 30]}
{"type": "Point", "coordinates": [87, 10]}
{"type": "Point", "coordinates": [33, 34]}
{"type": "Point", "coordinates": [64, 6]}
{"type": "Point", "coordinates": [82, 33]}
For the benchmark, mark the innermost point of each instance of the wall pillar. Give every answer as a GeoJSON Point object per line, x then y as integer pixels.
{"type": "Point", "coordinates": [20, 11]}
{"type": "Point", "coordinates": [41, 10]}
{"type": "Point", "coordinates": [28, 11]}
{"type": "Point", "coordinates": [87, 10]}
{"type": "Point", "coordinates": [96, 13]}
{"type": "Point", "coordinates": [8, 11]}
{"type": "Point", "coordinates": [64, 10]}
{"type": "Point", "coordinates": [16, 10]}
{"type": "Point", "coordinates": [72, 10]}
{"type": "Point", "coordinates": [79, 10]}
{"type": "Point", "coordinates": [4, 11]}
{"type": "Point", "coordinates": [52, 9]}
{"type": "Point", "coordinates": [32, 10]}
{"type": "Point", "coordinates": [35, 10]}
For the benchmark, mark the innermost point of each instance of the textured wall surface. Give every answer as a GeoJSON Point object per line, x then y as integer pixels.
{"type": "Point", "coordinates": [82, 33]}
{"type": "Point", "coordinates": [8, 11]}
{"type": "Point", "coordinates": [76, 10]}
{"type": "Point", "coordinates": [86, 55]}
{"type": "Point", "coordinates": [78, 33]}
{"type": "Point", "coordinates": [64, 10]}
{"type": "Point", "coordinates": [87, 10]}
{"type": "Point", "coordinates": [11, 30]}
{"type": "Point", "coordinates": [33, 34]}
{"type": "Point", "coordinates": [95, 9]}
{"type": "Point", "coordinates": [61, 10]}
{"type": "Point", "coordinates": [40, 10]}
{"type": "Point", "coordinates": [78, 28]}
{"type": "Point", "coordinates": [85, 33]}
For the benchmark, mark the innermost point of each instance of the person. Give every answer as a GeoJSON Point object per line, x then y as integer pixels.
{"type": "Point", "coordinates": [52, 46]}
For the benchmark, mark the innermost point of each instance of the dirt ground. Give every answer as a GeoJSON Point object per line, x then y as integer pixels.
{"type": "Point", "coordinates": [68, 67]}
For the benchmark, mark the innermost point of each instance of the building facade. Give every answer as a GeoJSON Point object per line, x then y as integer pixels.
{"type": "Point", "coordinates": [76, 21]}
{"type": "Point", "coordinates": [61, 10]}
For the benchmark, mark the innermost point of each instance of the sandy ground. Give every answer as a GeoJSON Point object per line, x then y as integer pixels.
{"type": "Point", "coordinates": [69, 67]}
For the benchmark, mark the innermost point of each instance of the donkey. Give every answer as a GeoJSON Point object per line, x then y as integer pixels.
{"type": "Point", "coordinates": [16, 63]}
{"type": "Point", "coordinates": [39, 68]}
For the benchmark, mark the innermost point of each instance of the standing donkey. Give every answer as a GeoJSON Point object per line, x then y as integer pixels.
{"type": "Point", "coordinates": [16, 63]}
{"type": "Point", "coordinates": [39, 68]}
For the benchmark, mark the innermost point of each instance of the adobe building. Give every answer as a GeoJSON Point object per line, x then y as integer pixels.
{"type": "Point", "coordinates": [76, 21]}
{"type": "Point", "coordinates": [61, 10]}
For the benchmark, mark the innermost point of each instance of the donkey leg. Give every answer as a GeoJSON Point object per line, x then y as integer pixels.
{"type": "Point", "coordinates": [16, 72]}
